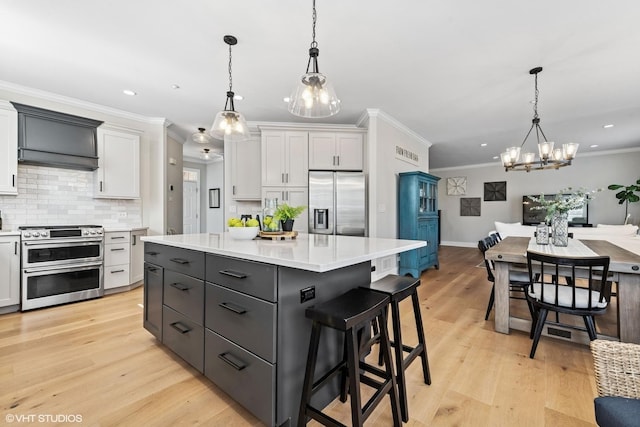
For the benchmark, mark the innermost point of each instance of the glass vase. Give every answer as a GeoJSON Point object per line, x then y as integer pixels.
{"type": "Point", "coordinates": [560, 229]}
{"type": "Point", "coordinates": [542, 234]}
{"type": "Point", "coordinates": [268, 222]}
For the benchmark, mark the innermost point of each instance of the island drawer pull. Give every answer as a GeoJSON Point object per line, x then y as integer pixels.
{"type": "Point", "coordinates": [151, 253]}
{"type": "Point", "coordinates": [152, 268]}
{"type": "Point", "coordinates": [180, 327]}
{"type": "Point", "coordinates": [233, 361]}
{"type": "Point", "coordinates": [180, 286]}
{"type": "Point", "coordinates": [232, 273]}
{"type": "Point", "coordinates": [232, 307]}
{"type": "Point", "coordinates": [179, 260]}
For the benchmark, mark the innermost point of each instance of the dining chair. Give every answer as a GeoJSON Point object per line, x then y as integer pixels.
{"type": "Point", "coordinates": [586, 293]}
{"type": "Point", "coordinates": [518, 280]}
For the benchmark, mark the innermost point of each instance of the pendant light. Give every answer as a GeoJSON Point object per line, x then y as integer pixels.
{"type": "Point", "coordinates": [550, 158]}
{"type": "Point", "coordinates": [230, 124]}
{"type": "Point", "coordinates": [313, 96]}
{"type": "Point", "coordinates": [201, 137]}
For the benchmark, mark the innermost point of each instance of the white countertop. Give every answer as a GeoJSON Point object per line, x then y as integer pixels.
{"type": "Point", "coordinates": [114, 228]}
{"type": "Point", "coordinates": [9, 233]}
{"type": "Point", "coordinates": [312, 252]}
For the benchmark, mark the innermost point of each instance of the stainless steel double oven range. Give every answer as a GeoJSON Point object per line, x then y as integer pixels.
{"type": "Point", "coordinates": [61, 264]}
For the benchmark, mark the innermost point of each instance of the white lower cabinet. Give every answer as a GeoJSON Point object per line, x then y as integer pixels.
{"type": "Point", "coordinates": [136, 252]}
{"type": "Point", "coordinates": [9, 273]}
{"type": "Point", "coordinates": [116, 259]}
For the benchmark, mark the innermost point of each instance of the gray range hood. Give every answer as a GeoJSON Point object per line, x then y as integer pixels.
{"type": "Point", "coordinates": [50, 138]}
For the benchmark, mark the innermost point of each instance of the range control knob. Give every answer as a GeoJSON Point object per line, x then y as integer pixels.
{"type": "Point", "coordinates": [100, 232]}
{"type": "Point", "coordinates": [92, 232]}
{"type": "Point", "coordinates": [36, 234]}
{"type": "Point", "coordinates": [27, 234]}
{"type": "Point", "coordinates": [43, 234]}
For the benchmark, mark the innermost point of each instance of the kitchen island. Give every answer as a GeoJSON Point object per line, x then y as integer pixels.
{"type": "Point", "coordinates": [234, 309]}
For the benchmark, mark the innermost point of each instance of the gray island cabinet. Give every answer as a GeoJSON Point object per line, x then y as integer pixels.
{"type": "Point", "coordinates": [234, 309]}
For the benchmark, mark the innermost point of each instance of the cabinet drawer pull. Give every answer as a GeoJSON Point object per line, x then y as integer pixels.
{"type": "Point", "coordinates": [117, 249]}
{"type": "Point", "coordinates": [152, 268]}
{"type": "Point", "coordinates": [116, 237]}
{"type": "Point", "coordinates": [151, 253]}
{"type": "Point", "coordinates": [180, 286]}
{"type": "Point", "coordinates": [180, 327]}
{"type": "Point", "coordinates": [179, 260]}
{"type": "Point", "coordinates": [233, 361]}
{"type": "Point", "coordinates": [117, 271]}
{"type": "Point", "coordinates": [232, 307]}
{"type": "Point", "coordinates": [233, 274]}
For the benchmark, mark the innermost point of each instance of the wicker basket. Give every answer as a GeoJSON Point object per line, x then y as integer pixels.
{"type": "Point", "coordinates": [617, 368]}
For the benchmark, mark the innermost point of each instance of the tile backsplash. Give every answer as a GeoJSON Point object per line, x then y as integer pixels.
{"type": "Point", "coordinates": [63, 196]}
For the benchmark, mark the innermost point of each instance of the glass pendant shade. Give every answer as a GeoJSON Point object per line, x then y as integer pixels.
{"type": "Point", "coordinates": [314, 96]}
{"type": "Point", "coordinates": [545, 149]}
{"type": "Point", "coordinates": [201, 137]}
{"type": "Point", "coordinates": [230, 126]}
{"type": "Point", "coordinates": [528, 158]}
{"type": "Point", "coordinates": [570, 150]}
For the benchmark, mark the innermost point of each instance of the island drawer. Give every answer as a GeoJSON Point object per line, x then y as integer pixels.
{"type": "Point", "coordinates": [184, 337]}
{"type": "Point", "coordinates": [245, 377]}
{"type": "Point", "coordinates": [249, 277]}
{"type": "Point", "coordinates": [185, 294]}
{"type": "Point", "coordinates": [243, 319]}
{"type": "Point", "coordinates": [185, 261]}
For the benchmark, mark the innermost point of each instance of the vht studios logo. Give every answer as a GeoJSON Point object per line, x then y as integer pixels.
{"type": "Point", "coordinates": [43, 418]}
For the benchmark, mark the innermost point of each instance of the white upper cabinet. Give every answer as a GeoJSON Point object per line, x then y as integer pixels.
{"type": "Point", "coordinates": [285, 158]}
{"type": "Point", "coordinates": [8, 149]}
{"type": "Point", "coordinates": [118, 173]}
{"type": "Point", "coordinates": [336, 151]}
{"type": "Point", "coordinates": [245, 169]}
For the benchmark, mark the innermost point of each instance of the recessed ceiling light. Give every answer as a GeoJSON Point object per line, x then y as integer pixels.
{"type": "Point", "coordinates": [175, 86]}
{"type": "Point", "coordinates": [496, 157]}
{"type": "Point", "coordinates": [129, 92]}
{"type": "Point", "coordinates": [607, 126]}
{"type": "Point", "coordinates": [286, 99]}
{"type": "Point", "coordinates": [484, 144]}
{"type": "Point", "coordinates": [593, 145]}
{"type": "Point", "coordinates": [238, 97]}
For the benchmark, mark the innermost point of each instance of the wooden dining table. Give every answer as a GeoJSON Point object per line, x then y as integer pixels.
{"type": "Point", "coordinates": [511, 254]}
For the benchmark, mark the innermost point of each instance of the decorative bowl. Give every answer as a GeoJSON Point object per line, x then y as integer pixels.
{"type": "Point", "coordinates": [244, 233]}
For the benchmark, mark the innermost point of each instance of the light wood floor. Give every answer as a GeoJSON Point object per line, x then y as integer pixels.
{"type": "Point", "coordinates": [95, 361]}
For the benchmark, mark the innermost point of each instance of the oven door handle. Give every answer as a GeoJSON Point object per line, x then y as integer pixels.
{"type": "Point", "coordinates": [54, 243]}
{"type": "Point", "coordinates": [64, 268]}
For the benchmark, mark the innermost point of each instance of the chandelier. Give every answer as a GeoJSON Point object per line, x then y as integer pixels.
{"type": "Point", "coordinates": [550, 157]}
{"type": "Point", "coordinates": [313, 96]}
{"type": "Point", "coordinates": [230, 124]}
{"type": "Point", "coordinates": [201, 137]}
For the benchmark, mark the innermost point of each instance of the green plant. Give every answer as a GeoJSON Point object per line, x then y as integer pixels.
{"type": "Point", "coordinates": [285, 212]}
{"type": "Point", "coordinates": [627, 195]}
{"type": "Point", "coordinates": [567, 200]}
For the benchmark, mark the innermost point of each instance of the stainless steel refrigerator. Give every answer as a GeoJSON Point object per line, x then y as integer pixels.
{"type": "Point", "coordinates": [337, 203]}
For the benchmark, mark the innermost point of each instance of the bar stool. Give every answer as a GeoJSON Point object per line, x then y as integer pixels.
{"type": "Point", "coordinates": [350, 313]}
{"type": "Point", "coordinates": [397, 288]}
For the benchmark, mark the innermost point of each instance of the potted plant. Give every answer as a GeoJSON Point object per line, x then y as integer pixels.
{"type": "Point", "coordinates": [286, 214]}
{"type": "Point", "coordinates": [627, 195]}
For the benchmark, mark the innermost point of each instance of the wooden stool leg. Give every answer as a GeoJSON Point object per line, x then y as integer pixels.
{"type": "Point", "coordinates": [386, 352]}
{"type": "Point", "coordinates": [421, 340]}
{"type": "Point", "coordinates": [399, 357]}
{"type": "Point", "coordinates": [353, 362]}
{"type": "Point", "coordinates": [308, 374]}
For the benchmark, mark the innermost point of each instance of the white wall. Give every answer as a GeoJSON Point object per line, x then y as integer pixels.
{"type": "Point", "coordinates": [587, 171]}
{"type": "Point", "coordinates": [383, 167]}
{"type": "Point", "coordinates": [174, 186]}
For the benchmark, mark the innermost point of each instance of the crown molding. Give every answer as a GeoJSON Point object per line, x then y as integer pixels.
{"type": "Point", "coordinates": [305, 126]}
{"type": "Point", "coordinates": [379, 114]}
{"type": "Point", "coordinates": [74, 102]}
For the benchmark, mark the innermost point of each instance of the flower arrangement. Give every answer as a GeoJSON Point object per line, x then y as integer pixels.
{"type": "Point", "coordinates": [567, 200]}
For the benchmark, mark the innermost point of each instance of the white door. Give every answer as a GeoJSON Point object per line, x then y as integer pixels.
{"type": "Point", "coordinates": [191, 205]}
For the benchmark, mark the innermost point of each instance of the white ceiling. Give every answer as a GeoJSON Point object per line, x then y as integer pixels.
{"type": "Point", "coordinates": [453, 71]}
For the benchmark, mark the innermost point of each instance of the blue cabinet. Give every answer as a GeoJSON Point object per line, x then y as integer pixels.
{"type": "Point", "coordinates": [418, 220]}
